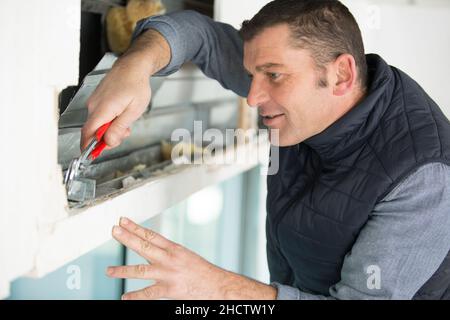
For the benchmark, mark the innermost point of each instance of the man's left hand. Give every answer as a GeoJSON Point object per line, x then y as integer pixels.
{"type": "Point", "coordinates": [178, 272]}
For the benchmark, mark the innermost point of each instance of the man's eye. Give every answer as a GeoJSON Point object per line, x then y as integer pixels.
{"type": "Point", "coordinates": [250, 76]}
{"type": "Point", "coordinates": [274, 75]}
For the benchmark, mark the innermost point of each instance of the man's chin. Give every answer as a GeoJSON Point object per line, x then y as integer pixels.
{"type": "Point", "coordinates": [277, 139]}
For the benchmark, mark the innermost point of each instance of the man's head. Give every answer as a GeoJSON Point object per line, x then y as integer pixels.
{"type": "Point", "coordinates": [307, 63]}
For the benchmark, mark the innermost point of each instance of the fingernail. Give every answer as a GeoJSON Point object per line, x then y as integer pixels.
{"type": "Point", "coordinates": [124, 220]}
{"type": "Point", "coordinates": [117, 230]}
{"type": "Point", "coordinates": [109, 271]}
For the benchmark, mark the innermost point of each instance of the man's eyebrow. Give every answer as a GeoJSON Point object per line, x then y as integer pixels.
{"type": "Point", "coordinates": [268, 65]}
{"type": "Point", "coordinates": [264, 66]}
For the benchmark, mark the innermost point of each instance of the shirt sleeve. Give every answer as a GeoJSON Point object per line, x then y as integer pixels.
{"type": "Point", "coordinates": [216, 48]}
{"type": "Point", "coordinates": [402, 244]}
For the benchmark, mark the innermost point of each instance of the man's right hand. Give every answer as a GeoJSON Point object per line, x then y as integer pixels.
{"type": "Point", "coordinates": [124, 94]}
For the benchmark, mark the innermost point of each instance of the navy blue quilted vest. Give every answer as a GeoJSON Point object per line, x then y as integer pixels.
{"type": "Point", "coordinates": [327, 186]}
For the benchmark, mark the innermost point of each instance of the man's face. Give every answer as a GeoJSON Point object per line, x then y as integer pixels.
{"type": "Point", "coordinates": [285, 86]}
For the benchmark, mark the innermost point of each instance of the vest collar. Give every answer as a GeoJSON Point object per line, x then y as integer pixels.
{"type": "Point", "coordinates": [352, 130]}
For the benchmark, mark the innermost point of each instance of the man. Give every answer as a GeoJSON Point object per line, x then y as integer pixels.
{"type": "Point", "coordinates": [360, 206]}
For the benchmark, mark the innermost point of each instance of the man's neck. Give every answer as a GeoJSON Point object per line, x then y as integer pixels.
{"type": "Point", "coordinates": [353, 100]}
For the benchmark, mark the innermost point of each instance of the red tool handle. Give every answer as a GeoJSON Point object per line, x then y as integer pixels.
{"type": "Point", "coordinates": [101, 143]}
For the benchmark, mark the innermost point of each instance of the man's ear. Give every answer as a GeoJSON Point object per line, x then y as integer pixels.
{"type": "Point", "coordinates": [345, 68]}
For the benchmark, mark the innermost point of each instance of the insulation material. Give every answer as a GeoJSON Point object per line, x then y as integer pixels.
{"type": "Point", "coordinates": [121, 21]}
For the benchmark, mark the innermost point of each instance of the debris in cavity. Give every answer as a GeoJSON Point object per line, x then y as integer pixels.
{"type": "Point", "coordinates": [181, 152]}
{"type": "Point", "coordinates": [128, 181]}
{"type": "Point", "coordinates": [139, 167]}
{"type": "Point", "coordinates": [119, 174]}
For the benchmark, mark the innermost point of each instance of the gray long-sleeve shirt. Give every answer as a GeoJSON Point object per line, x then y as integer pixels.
{"type": "Point", "coordinates": [408, 234]}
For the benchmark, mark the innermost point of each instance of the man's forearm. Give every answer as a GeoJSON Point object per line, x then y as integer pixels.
{"type": "Point", "coordinates": [216, 48]}
{"type": "Point", "coordinates": [149, 53]}
{"type": "Point", "coordinates": [238, 287]}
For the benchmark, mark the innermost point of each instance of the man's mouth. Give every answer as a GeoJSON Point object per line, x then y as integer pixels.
{"type": "Point", "coordinates": [272, 119]}
{"type": "Point", "coordinates": [271, 116]}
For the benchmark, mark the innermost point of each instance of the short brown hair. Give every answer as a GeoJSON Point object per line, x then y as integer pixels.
{"type": "Point", "coordinates": [325, 27]}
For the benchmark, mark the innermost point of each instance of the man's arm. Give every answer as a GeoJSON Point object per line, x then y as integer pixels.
{"type": "Point", "coordinates": [163, 42]}
{"type": "Point", "coordinates": [404, 242]}
{"type": "Point", "coordinates": [124, 93]}
{"type": "Point", "coordinates": [216, 48]}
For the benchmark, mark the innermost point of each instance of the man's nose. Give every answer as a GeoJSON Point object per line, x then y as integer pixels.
{"type": "Point", "coordinates": [257, 94]}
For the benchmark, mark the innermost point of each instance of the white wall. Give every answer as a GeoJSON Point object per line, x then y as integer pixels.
{"type": "Point", "coordinates": [412, 37]}
{"type": "Point", "coordinates": [236, 11]}
{"type": "Point", "coordinates": [39, 47]}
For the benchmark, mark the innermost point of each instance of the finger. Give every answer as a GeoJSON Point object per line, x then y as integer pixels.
{"type": "Point", "coordinates": [141, 271]}
{"type": "Point", "coordinates": [88, 132]}
{"type": "Point", "coordinates": [99, 117]}
{"type": "Point", "coordinates": [156, 291]}
{"type": "Point", "coordinates": [141, 246]}
{"type": "Point", "coordinates": [145, 233]}
{"type": "Point", "coordinates": [118, 130]}
{"type": "Point", "coordinates": [120, 127]}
